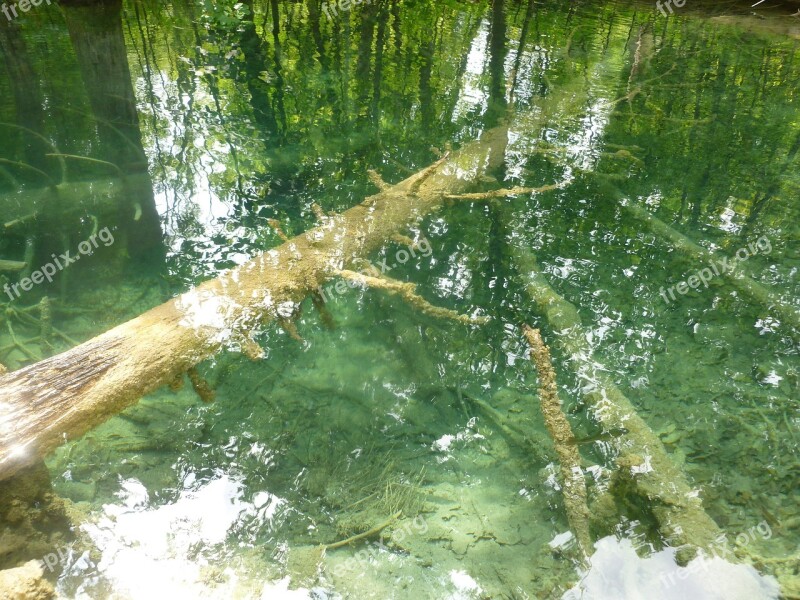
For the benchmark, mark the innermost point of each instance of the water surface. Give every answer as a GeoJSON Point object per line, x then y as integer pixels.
{"type": "Point", "coordinates": [227, 119]}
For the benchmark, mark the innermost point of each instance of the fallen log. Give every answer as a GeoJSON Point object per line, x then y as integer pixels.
{"type": "Point", "coordinates": [757, 293]}
{"type": "Point", "coordinates": [645, 466]}
{"type": "Point", "coordinates": [62, 397]}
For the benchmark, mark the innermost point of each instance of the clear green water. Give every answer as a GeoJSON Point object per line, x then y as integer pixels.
{"type": "Point", "coordinates": [695, 117]}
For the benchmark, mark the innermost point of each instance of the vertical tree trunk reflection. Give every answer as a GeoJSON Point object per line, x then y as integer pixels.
{"type": "Point", "coordinates": [95, 30]}
{"type": "Point", "coordinates": [27, 92]}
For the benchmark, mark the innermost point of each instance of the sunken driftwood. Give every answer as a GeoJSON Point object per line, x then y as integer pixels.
{"type": "Point", "coordinates": [644, 464]}
{"type": "Point", "coordinates": [305, 561]}
{"type": "Point", "coordinates": [575, 498]}
{"type": "Point", "coordinates": [62, 397]}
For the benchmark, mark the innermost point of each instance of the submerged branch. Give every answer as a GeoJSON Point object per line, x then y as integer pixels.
{"type": "Point", "coordinates": [575, 502]}
{"type": "Point", "coordinates": [61, 163]}
{"type": "Point", "coordinates": [96, 161]}
{"type": "Point", "coordinates": [11, 266]}
{"type": "Point", "coordinates": [645, 467]}
{"type": "Point", "coordinates": [754, 291]}
{"type": "Point", "coordinates": [408, 292]}
{"type": "Point", "coordinates": [22, 165]}
{"type": "Point", "coordinates": [367, 534]}
{"type": "Point", "coordinates": [505, 192]}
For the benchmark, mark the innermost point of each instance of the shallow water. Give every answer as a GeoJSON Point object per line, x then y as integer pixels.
{"type": "Point", "coordinates": [232, 124]}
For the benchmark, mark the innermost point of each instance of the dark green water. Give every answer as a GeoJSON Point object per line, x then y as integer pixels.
{"type": "Point", "coordinates": [224, 119]}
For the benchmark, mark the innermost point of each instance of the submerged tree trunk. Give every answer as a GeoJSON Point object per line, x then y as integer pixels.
{"type": "Point", "coordinates": [60, 398]}
{"type": "Point", "coordinates": [712, 264]}
{"type": "Point", "coordinates": [645, 467]}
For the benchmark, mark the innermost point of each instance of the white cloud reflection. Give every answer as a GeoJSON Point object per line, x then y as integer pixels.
{"type": "Point", "coordinates": [618, 573]}
{"type": "Point", "coordinates": [158, 550]}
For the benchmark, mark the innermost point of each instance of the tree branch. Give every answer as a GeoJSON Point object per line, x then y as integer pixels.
{"type": "Point", "coordinates": [408, 292]}
{"type": "Point", "coordinates": [426, 173]}
{"type": "Point", "coordinates": [377, 180]}
{"type": "Point", "coordinates": [505, 192]}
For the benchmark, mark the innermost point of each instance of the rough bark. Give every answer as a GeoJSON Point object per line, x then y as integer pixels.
{"type": "Point", "coordinates": [26, 583]}
{"type": "Point", "coordinates": [60, 398]}
{"type": "Point", "coordinates": [560, 431]}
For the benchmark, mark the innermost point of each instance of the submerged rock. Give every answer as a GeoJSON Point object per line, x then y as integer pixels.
{"type": "Point", "coordinates": [33, 519]}
{"type": "Point", "coordinates": [25, 583]}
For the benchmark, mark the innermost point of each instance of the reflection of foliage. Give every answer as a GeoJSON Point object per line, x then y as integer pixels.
{"type": "Point", "coordinates": [222, 14]}
{"type": "Point", "coordinates": [310, 106]}
{"type": "Point", "coordinates": [294, 125]}
{"type": "Point", "coordinates": [732, 108]}
{"type": "Point", "coordinates": [265, 113]}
